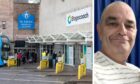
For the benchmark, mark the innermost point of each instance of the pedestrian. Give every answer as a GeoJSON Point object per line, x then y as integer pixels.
{"type": "Point", "coordinates": [54, 59]}
{"type": "Point", "coordinates": [19, 56]}
{"type": "Point", "coordinates": [44, 57]}
{"type": "Point", "coordinates": [23, 57]}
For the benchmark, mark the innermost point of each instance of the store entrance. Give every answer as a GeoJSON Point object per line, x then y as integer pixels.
{"type": "Point", "coordinates": [29, 52]}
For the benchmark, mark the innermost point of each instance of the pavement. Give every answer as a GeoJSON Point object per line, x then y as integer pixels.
{"type": "Point", "coordinates": [28, 74]}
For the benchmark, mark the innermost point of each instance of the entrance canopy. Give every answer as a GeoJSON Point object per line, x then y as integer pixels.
{"type": "Point", "coordinates": [30, 39]}
{"type": "Point", "coordinates": [61, 38]}
{"type": "Point", "coordinates": [48, 39]}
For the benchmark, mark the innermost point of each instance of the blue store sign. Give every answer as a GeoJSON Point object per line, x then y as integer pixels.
{"type": "Point", "coordinates": [26, 21]}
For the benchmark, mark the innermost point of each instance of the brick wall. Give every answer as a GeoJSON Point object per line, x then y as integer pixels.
{"type": "Point", "coordinates": [6, 14]}
{"type": "Point", "coordinates": [9, 10]}
{"type": "Point", "coordinates": [32, 9]}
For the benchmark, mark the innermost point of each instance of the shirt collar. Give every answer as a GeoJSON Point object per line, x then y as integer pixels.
{"type": "Point", "coordinates": [99, 54]}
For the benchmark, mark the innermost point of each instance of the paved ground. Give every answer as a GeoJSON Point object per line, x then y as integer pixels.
{"type": "Point", "coordinates": [28, 74]}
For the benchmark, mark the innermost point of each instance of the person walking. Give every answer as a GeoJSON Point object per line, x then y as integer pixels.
{"type": "Point", "coordinates": [19, 56]}
{"type": "Point", "coordinates": [54, 59]}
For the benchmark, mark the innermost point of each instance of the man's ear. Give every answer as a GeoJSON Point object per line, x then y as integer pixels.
{"type": "Point", "coordinates": [99, 30]}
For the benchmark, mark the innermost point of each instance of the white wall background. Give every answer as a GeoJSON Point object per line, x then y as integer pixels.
{"type": "Point", "coordinates": [53, 16]}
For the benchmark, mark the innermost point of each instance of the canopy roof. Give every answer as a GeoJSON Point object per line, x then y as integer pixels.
{"type": "Point", "coordinates": [61, 38]}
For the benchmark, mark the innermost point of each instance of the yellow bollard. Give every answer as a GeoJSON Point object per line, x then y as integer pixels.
{"type": "Point", "coordinates": [84, 68]}
{"type": "Point", "coordinates": [47, 64]}
{"type": "Point", "coordinates": [8, 62]}
{"type": "Point", "coordinates": [62, 69]}
{"type": "Point", "coordinates": [59, 67]}
{"type": "Point", "coordinates": [11, 62]}
{"type": "Point", "coordinates": [43, 64]}
{"type": "Point", "coordinates": [56, 70]}
{"type": "Point", "coordinates": [62, 66]}
{"type": "Point", "coordinates": [79, 71]}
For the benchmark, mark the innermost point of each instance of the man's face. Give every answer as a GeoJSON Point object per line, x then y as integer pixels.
{"type": "Point", "coordinates": [117, 31]}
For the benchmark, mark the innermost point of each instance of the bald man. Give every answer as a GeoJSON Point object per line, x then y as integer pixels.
{"type": "Point", "coordinates": [117, 32]}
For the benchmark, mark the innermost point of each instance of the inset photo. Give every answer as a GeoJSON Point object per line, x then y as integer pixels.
{"type": "Point", "coordinates": [116, 43]}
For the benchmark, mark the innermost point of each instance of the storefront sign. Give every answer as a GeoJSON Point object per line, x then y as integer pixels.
{"type": "Point", "coordinates": [26, 21]}
{"type": "Point", "coordinates": [79, 17]}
